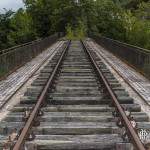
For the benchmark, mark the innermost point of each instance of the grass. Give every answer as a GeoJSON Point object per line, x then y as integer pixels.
{"type": "Point", "coordinates": [76, 33]}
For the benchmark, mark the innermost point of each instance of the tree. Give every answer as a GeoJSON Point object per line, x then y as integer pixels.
{"type": "Point", "coordinates": [109, 18]}
{"type": "Point", "coordinates": [5, 29]}
{"type": "Point", "coordinates": [40, 12]}
{"type": "Point", "coordinates": [23, 27]}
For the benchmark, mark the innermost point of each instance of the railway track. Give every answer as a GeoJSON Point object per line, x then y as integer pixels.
{"type": "Point", "coordinates": [71, 106]}
{"type": "Point", "coordinates": [10, 86]}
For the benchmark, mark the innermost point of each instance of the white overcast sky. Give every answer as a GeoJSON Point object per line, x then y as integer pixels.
{"type": "Point", "coordinates": [10, 4]}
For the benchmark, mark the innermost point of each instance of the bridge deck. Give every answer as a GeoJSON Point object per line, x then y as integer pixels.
{"type": "Point", "coordinates": [14, 81]}
{"type": "Point", "coordinates": [72, 93]}
{"type": "Point", "coordinates": [138, 82]}
{"type": "Point", "coordinates": [10, 85]}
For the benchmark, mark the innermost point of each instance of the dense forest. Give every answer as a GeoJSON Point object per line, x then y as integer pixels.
{"type": "Point", "coordinates": [124, 20]}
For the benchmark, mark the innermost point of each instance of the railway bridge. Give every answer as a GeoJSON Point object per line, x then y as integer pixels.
{"type": "Point", "coordinates": [90, 94]}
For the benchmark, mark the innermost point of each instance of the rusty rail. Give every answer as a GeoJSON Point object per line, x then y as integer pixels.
{"type": "Point", "coordinates": [134, 137]}
{"type": "Point", "coordinates": [40, 100]}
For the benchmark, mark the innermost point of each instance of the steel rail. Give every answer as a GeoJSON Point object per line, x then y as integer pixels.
{"type": "Point", "coordinates": [134, 137]}
{"type": "Point", "coordinates": [32, 74]}
{"type": "Point", "coordinates": [40, 100]}
{"type": "Point", "coordinates": [126, 81]}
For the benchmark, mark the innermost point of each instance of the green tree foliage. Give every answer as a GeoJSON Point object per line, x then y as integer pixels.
{"type": "Point", "coordinates": [111, 18]}
{"type": "Point", "coordinates": [40, 12]}
{"type": "Point", "coordinates": [137, 30]}
{"type": "Point", "coordinates": [79, 32]}
{"type": "Point", "coordinates": [131, 26]}
{"type": "Point", "coordinates": [5, 29]}
{"type": "Point", "coordinates": [51, 16]}
{"type": "Point", "coordinates": [15, 28]}
{"type": "Point", "coordinates": [22, 24]}
{"type": "Point", "coordinates": [69, 32]}
{"type": "Point", "coordinates": [137, 25]}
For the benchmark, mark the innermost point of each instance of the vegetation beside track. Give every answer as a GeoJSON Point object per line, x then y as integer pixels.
{"type": "Point", "coordinates": [110, 18]}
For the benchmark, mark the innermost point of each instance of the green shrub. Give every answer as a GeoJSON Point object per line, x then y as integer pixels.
{"type": "Point", "coordinates": [70, 33]}
{"type": "Point", "coordinates": [137, 30]}
{"type": "Point", "coordinates": [76, 33]}
{"type": "Point", "coordinates": [80, 31]}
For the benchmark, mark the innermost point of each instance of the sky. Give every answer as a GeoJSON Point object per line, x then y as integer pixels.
{"type": "Point", "coordinates": [10, 4]}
